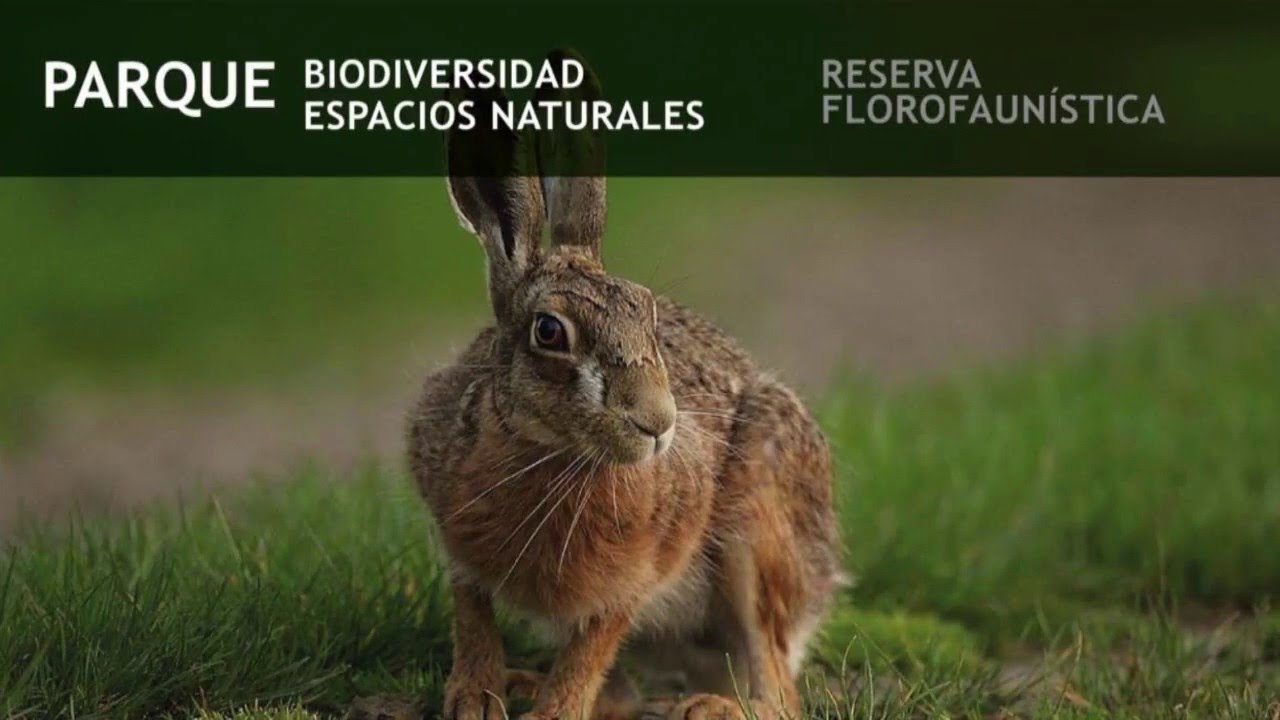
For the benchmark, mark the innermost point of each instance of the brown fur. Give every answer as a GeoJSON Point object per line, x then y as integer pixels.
{"type": "Point", "coordinates": [648, 482]}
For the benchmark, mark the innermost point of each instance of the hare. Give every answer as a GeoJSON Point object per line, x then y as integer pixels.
{"type": "Point", "coordinates": [610, 463]}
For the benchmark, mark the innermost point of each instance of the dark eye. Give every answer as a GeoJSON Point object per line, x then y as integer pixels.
{"type": "Point", "coordinates": [549, 333]}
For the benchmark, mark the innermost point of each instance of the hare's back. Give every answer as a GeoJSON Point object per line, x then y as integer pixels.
{"type": "Point", "coordinates": [704, 363]}
{"type": "Point", "coordinates": [442, 423]}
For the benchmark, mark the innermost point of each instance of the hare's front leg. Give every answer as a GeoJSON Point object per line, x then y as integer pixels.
{"type": "Point", "coordinates": [476, 685]}
{"type": "Point", "coordinates": [570, 689]}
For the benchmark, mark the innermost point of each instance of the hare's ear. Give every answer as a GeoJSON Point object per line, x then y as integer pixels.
{"type": "Point", "coordinates": [571, 165]}
{"type": "Point", "coordinates": [495, 195]}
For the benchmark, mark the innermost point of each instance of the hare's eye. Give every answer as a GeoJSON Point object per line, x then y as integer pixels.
{"type": "Point", "coordinates": [549, 333]}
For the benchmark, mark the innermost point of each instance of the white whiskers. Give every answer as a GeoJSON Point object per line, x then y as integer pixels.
{"type": "Point", "coordinates": [568, 476]}
{"type": "Point", "coordinates": [504, 481]}
{"type": "Point", "coordinates": [556, 483]}
{"type": "Point", "coordinates": [587, 482]}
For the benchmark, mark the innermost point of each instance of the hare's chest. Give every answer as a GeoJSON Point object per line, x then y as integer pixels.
{"type": "Point", "coordinates": [557, 548]}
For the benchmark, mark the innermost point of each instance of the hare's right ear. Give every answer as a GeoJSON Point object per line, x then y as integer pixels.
{"type": "Point", "coordinates": [571, 164]}
{"type": "Point", "coordinates": [495, 197]}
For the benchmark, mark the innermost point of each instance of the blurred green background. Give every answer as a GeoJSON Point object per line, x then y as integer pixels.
{"type": "Point", "coordinates": [144, 285]}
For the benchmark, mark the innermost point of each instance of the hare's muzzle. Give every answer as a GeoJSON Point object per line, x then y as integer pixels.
{"type": "Point", "coordinates": [661, 433]}
{"type": "Point", "coordinates": [642, 397]}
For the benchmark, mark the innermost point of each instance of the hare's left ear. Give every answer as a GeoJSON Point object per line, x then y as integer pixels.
{"type": "Point", "coordinates": [571, 164]}
{"type": "Point", "coordinates": [495, 197]}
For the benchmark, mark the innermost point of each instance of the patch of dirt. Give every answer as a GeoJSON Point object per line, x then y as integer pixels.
{"type": "Point", "coordinates": [900, 277]}
{"type": "Point", "coordinates": [104, 454]}
{"type": "Point", "coordinates": [386, 707]}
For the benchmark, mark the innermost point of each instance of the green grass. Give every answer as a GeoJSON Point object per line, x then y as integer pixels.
{"type": "Point", "coordinates": [1144, 465]}
{"type": "Point", "coordinates": [1031, 540]}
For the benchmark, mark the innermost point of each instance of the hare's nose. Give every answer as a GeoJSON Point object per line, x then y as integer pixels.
{"type": "Point", "coordinates": [658, 414]}
{"type": "Point", "coordinates": [648, 428]}
{"type": "Point", "coordinates": [641, 395]}
{"type": "Point", "coordinates": [654, 416]}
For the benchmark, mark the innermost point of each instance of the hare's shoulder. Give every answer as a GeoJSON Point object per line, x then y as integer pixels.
{"type": "Point", "coordinates": [448, 385]}
{"type": "Point", "coordinates": [700, 357]}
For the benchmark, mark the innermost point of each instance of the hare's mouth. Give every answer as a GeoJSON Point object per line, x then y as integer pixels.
{"type": "Point", "coordinates": [663, 442]}
{"type": "Point", "coordinates": [661, 438]}
{"type": "Point", "coordinates": [655, 437]}
{"type": "Point", "coordinates": [633, 445]}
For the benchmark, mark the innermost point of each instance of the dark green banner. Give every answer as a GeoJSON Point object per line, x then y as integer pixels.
{"type": "Point", "coordinates": [909, 88]}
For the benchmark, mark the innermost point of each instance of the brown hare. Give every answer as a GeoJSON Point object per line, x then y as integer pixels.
{"type": "Point", "coordinates": [611, 464]}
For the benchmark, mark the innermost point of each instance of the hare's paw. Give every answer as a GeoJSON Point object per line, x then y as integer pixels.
{"type": "Point", "coordinates": [703, 706]}
{"type": "Point", "coordinates": [469, 700]}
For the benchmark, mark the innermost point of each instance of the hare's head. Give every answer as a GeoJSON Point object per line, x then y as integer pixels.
{"type": "Point", "coordinates": [578, 361]}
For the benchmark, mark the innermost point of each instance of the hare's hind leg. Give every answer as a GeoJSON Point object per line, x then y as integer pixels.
{"type": "Point", "coordinates": [778, 556]}
{"type": "Point", "coordinates": [753, 671]}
